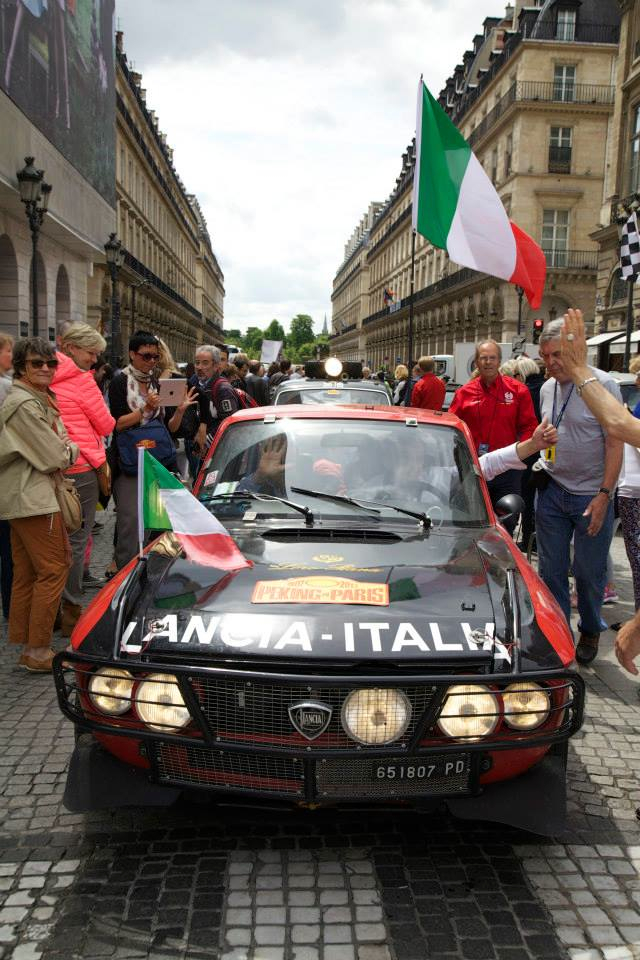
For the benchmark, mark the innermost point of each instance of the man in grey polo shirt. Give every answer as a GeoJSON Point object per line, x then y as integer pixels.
{"type": "Point", "coordinates": [575, 498]}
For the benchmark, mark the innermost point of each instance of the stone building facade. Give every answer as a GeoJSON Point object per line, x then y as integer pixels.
{"type": "Point", "coordinates": [71, 239]}
{"type": "Point", "coordinates": [535, 98]}
{"type": "Point", "coordinates": [621, 191]}
{"type": "Point", "coordinates": [171, 282]}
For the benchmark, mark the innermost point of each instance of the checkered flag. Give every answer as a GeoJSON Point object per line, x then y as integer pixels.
{"type": "Point", "coordinates": [630, 249]}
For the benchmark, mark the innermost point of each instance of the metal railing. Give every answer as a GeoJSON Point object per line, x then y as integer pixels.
{"type": "Point", "coordinates": [159, 284]}
{"type": "Point", "coordinates": [529, 91]}
{"type": "Point", "coordinates": [559, 159]}
{"type": "Point", "coordinates": [452, 280]}
{"type": "Point", "coordinates": [571, 259]}
{"type": "Point", "coordinates": [583, 32]}
{"type": "Point", "coordinates": [340, 333]}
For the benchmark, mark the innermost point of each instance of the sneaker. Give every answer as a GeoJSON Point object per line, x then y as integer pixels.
{"type": "Point", "coordinates": [88, 580]}
{"type": "Point", "coordinates": [610, 595]}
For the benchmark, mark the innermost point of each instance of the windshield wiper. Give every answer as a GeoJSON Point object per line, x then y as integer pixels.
{"type": "Point", "coordinates": [250, 495]}
{"type": "Point", "coordinates": [361, 502]}
{"type": "Point", "coordinates": [335, 497]}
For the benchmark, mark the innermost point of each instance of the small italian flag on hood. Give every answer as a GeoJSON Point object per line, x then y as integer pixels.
{"type": "Point", "coordinates": [165, 504]}
{"type": "Point", "coordinates": [456, 207]}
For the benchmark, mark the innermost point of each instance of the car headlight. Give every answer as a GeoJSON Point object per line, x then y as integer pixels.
{"type": "Point", "coordinates": [377, 716]}
{"type": "Point", "coordinates": [526, 705]}
{"type": "Point", "coordinates": [110, 690]}
{"type": "Point", "coordinates": [470, 711]}
{"type": "Point", "coordinates": [159, 703]}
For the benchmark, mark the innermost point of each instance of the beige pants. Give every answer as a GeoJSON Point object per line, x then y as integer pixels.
{"type": "Point", "coordinates": [41, 560]}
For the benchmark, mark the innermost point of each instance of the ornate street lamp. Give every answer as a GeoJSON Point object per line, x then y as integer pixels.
{"type": "Point", "coordinates": [115, 258]}
{"type": "Point", "coordinates": [35, 195]}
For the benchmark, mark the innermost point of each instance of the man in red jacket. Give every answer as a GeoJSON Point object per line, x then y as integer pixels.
{"type": "Point", "coordinates": [429, 391]}
{"type": "Point", "coordinates": [498, 411]}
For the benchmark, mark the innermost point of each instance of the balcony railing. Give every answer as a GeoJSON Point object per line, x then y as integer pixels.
{"type": "Point", "coordinates": [583, 32]}
{"type": "Point", "coordinates": [452, 280]}
{"type": "Point", "coordinates": [340, 333]}
{"type": "Point", "coordinates": [559, 159]}
{"type": "Point", "coordinates": [159, 284]}
{"type": "Point", "coordinates": [547, 92]}
{"type": "Point", "coordinates": [572, 259]}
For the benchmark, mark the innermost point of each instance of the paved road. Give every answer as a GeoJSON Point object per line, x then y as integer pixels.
{"type": "Point", "coordinates": [240, 885]}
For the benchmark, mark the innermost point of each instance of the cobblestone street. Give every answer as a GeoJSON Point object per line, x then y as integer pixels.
{"type": "Point", "coordinates": [235, 883]}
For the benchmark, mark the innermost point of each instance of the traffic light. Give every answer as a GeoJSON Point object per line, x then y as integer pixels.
{"type": "Point", "coordinates": [537, 330]}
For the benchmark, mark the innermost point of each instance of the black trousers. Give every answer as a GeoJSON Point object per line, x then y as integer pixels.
{"type": "Point", "coordinates": [6, 566]}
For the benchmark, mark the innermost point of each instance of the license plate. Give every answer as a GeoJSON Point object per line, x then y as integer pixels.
{"type": "Point", "coordinates": [437, 768]}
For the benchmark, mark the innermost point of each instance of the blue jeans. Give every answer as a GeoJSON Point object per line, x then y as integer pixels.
{"type": "Point", "coordinates": [558, 519]}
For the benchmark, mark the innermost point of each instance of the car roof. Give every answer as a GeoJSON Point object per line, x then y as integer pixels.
{"type": "Point", "coordinates": [347, 411]}
{"type": "Point", "coordinates": [330, 384]}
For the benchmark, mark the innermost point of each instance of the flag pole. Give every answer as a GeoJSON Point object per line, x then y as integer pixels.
{"type": "Point", "coordinates": [627, 342]}
{"type": "Point", "coordinates": [140, 503]}
{"type": "Point", "coordinates": [407, 392]}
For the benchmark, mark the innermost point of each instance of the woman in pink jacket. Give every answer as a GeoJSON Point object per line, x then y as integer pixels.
{"type": "Point", "coordinates": [88, 421]}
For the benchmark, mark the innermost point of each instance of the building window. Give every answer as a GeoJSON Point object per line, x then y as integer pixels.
{"type": "Point", "coordinates": [566, 24]}
{"type": "Point", "coordinates": [494, 165]}
{"type": "Point", "coordinates": [560, 144]}
{"type": "Point", "coordinates": [564, 83]}
{"type": "Point", "coordinates": [618, 289]}
{"type": "Point", "coordinates": [635, 153]}
{"type": "Point", "coordinates": [555, 237]}
{"type": "Point", "coordinates": [508, 154]}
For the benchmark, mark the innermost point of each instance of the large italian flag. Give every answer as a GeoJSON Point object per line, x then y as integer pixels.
{"type": "Point", "coordinates": [456, 207]}
{"type": "Point", "coordinates": [165, 504]}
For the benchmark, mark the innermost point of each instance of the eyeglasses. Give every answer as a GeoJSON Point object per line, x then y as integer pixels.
{"type": "Point", "coordinates": [148, 357]}
{"type": "Point", "coordinates": [39, 364]}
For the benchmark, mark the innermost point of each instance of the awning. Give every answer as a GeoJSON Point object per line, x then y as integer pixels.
{"type": "Point", "coordinates": [618, 345]}
{"type": "Point", "coordinates": [602, 338]}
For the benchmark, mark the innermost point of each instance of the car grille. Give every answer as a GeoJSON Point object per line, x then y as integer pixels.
{"type": "Point", "coordinates": [257, 711]}
{"type": "Point", "coordinates": [200, 766]}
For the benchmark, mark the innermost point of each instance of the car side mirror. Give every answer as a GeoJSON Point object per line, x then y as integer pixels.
{"type": "Point", "coordinates": [509, 506]}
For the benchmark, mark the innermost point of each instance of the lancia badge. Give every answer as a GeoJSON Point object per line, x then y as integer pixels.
{"type": "Point", "coordinates": [309, 718]}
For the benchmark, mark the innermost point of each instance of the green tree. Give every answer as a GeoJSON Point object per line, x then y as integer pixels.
{"type": "Point", "coordinates": [233, 336]}
{"type": "Point", "coordinates": [275, 331]}
{"type": "Point", "coordinates": [301, 331]}
{"type": "Point", "coordinates": [252, 342]}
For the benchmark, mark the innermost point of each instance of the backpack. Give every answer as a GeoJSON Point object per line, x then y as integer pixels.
{"type": "Point", "coordinates": [243, 398]}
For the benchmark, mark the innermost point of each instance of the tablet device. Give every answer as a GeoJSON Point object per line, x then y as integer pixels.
{"type": "Point", "coordinates": [172, 392]}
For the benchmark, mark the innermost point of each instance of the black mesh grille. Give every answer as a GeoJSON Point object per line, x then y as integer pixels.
{"type": "Point", "coordinates": [258, 711]}
{"type": "Point", "coordinates": [350, 779]}
{"type": "Point", "coordinates": [200, 766]}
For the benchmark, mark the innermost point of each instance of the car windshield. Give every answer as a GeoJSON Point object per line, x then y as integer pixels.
{"type": "Point", "coordinates": [426, 468]}
{"type": "Point", "coordinates": [333, 394]}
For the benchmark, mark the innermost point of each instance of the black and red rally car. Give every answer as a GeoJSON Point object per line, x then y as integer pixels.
{"type": "Point", "coordinates": [388, 644]}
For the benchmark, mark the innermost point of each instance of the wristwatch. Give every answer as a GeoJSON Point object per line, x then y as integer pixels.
{"type": "Point", "coordinates": [609, 493]}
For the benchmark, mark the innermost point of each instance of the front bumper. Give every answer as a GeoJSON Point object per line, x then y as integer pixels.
{"type": "Point", "coordinates": [535, 801]}
{"type": "Point", "coordinates": [241, 740]}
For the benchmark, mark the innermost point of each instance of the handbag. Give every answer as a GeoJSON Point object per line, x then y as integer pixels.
{"type": "Point", "coordinates": [156, 438]}
{"type": "Point", "coordinates": [68, 501]}
{"type": "Point", "coordinates": [104, 479]}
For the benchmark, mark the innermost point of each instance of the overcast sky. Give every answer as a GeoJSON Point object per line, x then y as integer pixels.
{"type": "Point", "coordinates": [287, 117]}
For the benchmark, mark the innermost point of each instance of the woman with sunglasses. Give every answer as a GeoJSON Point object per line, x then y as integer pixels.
{"type": "Point", "coordinates": [134, 402]}
{"type": "Point", "coordinates": [33, 446]}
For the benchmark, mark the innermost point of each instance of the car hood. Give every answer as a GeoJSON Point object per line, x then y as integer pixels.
{"type": "Point", "coordinates": [446, 598]}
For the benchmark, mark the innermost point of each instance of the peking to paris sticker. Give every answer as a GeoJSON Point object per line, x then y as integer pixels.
{"type": "Point", "coordinates": [321, 590]}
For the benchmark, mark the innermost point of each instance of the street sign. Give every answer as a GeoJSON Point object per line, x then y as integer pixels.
{"type": "Point", "coordinates": [518, 345]}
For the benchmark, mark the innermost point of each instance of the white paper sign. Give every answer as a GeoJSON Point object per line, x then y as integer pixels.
{"type": "Point", "coordinates": [270, 351]}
